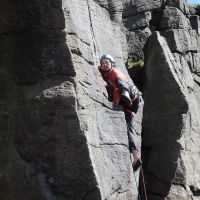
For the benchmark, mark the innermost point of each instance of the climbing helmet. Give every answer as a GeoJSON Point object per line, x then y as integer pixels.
{"type": "Point", "coordinates": [107, 56]}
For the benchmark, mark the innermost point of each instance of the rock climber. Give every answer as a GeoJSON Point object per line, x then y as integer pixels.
{"type": "Point", "coordinates": [121, 92]}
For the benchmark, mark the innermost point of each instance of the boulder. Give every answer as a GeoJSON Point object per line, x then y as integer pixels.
{"type": "Point", "coordinates": [180, 40]}
{"type": "Point", "coordinates": [175, 147]}
{"type": "Point", "coordinates": [163, 105]}
{"type": "Point", "coordinates": [60, 138]}
{"type": "Point", "coordinates": [137, 39]}
{"type": "Point", "coordinates": [195, 23]}
{"type": "Point", "coordinates": [180, 4]}
{"type": "Point", "coordinates": [128, 8]}
{"type": "Point", "coordinates": [173, 18]}
{"type": "Point", "coordinates": [143, 5]}
{"type": "Point", "coordinates": [137, 21]}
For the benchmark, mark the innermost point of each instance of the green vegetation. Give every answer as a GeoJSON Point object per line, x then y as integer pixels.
{"type": "Point", "coordinates": [194, 6]}
{"type": "Point", "coordinates": [131, 63]}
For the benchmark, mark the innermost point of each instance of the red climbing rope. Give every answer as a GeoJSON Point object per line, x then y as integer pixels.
{"type": "Point", "coordinates": [143, 184]}
{"type": "Point", "coordinates": [143, 181]}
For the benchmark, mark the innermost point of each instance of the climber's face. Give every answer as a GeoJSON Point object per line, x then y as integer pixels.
{"type": "Point", "coordinates": [106, 64]}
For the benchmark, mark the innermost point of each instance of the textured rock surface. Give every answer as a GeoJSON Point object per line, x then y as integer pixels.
{"type": "Point", "coordinates": [172, 148]}
{"type": "Point", "coordinates": [195, 23]}
{"type": "Point", "coordinates": [103, 127]}
{"type": "Point", "coordinates": [41, 133]}
{"type": "Point", "coordinates": [59, 136]}
{"type": "Point", "coordinates": [181, 40]}
{"type": "Point", "coordinates": [180, 4]}
{"type": "Point", "coordinates": [164, 105]}
{"type": "Point", "coordinates": [173, 18]}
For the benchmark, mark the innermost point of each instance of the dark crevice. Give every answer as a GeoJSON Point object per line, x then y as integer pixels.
{"type": "Point", "coordinates": [79, 53]}
{"type": "Point", "coordinates": [93, 190]}
{"type": "Point", "coordinates": [113, 144]}
{"type": "Point", "coordinates": [105, 104]}
{"type": "Point", "coordinates": [108, 144]}
{"type": "Point", "coordinates": [156, 194]}
{"type": "Point", "coordinates": [195, 191]}
{"type": "Point", "coordinates": [156, 17]}
{"type": "Point", "coordinates": [31, 30]}
{"type": "Point", "coordinates": [198, 83]}
{"type": "Point", "coordinates": [72, 33]}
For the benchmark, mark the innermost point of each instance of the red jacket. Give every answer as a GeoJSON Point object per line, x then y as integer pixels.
{"type": "Point", "coordinates": [110, 78]}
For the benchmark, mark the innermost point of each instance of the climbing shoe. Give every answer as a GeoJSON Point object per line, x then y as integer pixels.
{"type": "Point", "coordinates": [125, 97]}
